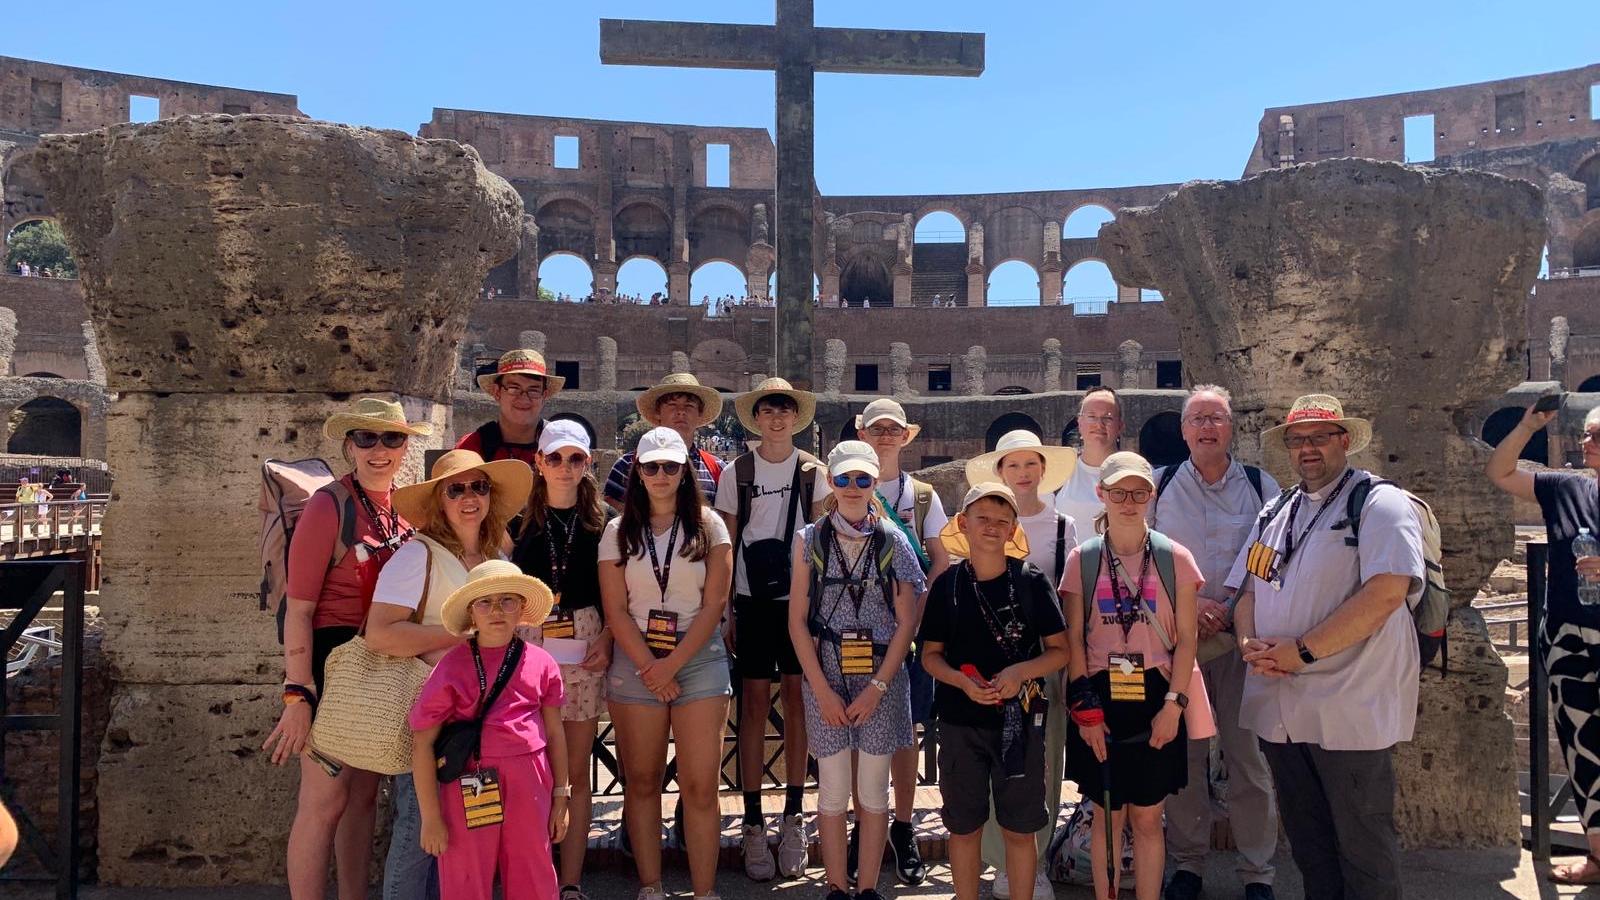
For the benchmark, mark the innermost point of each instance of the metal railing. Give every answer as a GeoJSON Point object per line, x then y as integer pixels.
{"type": "Point", "coordinates": [1513, 624]}
{"type": "Point", "coordinates": [1575, 272]}
{"type": "Point", "coordinates": [25, 527]}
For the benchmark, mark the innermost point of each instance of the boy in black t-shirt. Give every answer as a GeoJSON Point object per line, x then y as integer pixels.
{"type": "Point", "coordinates": [991, 632]}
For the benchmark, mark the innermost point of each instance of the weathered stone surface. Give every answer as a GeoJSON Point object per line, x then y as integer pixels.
{"type": "Point", "coordinates": [8, 339]}
{"type": "Point", "coordinates": [92, 361]}
{"type": "Point", "coordinates": [900, 369]}
{"type": "Point", "coordinates": [531, 340]}
{"type": "Point", "coordinates": [1403, 291]}
{"type": "Point", "coordinates": [680, 362]}
{"type": "Point", "coordinates": [1128, 356]}
{"type": "Point", "coordinates": [1051, 356]}
{"type": "Point", "coordinates": [268, 253]}
{"type": "Point", "coordinates": [606, 350]}
{"type": "Point", "coordinates": [974, 365]}
{"type": "Point", "coordinates": [88, 398]}
{"type": "Point", "coordinates": [834, 359]}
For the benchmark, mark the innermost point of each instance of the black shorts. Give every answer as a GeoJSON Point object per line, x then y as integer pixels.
{"type": "Point", "coordinates": [1140, 774]}
{"type": "Point", "coordinates": [971, 775]}
{"type": "Point", "coordinates": [323, 640]}
{"type": "Point", "coordinates": [762, 648]}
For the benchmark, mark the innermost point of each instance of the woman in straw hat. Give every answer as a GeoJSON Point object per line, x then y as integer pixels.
{"type": "Point", "coordinates": [329, 589]}
{"type": "Point", "coordinates": [460, 514]}
{"type": "Point", "coordinates": [510, 803]}
{"type": "Point", "coordinates": [852, 635]}
{"type": "Point", "coordinates": [560, 545]}
{"type": "Point", "coordinates": [1132, 670]}
{"type": "Point", "coordinates": [664, 593]}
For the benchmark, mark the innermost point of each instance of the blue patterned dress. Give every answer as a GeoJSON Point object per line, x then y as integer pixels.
{"type": "Point", "coordinates": [890, 727]}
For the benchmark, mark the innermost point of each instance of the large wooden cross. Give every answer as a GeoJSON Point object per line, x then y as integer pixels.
{"type": "Point", "coordinates": [795, 49]}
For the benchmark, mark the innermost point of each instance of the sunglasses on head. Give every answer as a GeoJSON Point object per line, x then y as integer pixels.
{"type": "Point", "coordinates": [366, 440]}
{"type": "Point", "coordinates": [653, 468]}
{"type": "Point", "coordinates": [459, 489]}
{"type": "Point", "coordinates": [862, 480]}
{"type": "Point", "coordinates": [574, 461]}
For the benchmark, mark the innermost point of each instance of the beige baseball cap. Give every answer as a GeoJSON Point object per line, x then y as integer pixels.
{"type": "Point", "coordinates": [1123, 465]}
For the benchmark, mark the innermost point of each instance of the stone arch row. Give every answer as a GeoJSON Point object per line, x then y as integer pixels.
{"type": "Point", "coordinates": [86, 399]}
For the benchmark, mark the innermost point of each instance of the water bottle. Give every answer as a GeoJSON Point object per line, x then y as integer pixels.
{"type": "Point", "coordinates": [1586, 545]}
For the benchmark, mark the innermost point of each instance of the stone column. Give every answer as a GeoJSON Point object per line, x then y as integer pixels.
{"type": "Point", "coordinates": [1560, 332]}
{"type": "Point", "coordinates": [977, 275]}
{"type": "Point", "coordinates": [903, 261]}
{"type": "Point", "coordinates": [1403, 291]}
{"type": "Point", "coordinates": [1050, 284]}
{"type": "Point", "coordinates": [528, 259]}
{"type": "Point", "coordinates": [830, 284]}
{"type": "Point", "coordinates": [680, 362]}
{"type": "Point", "coordinates": [605, 276]}
{"type": "Point", "coordinates": [8, 338]}
{"type": "Point", "coordinates": [91, 355]}
{"type": "Point", "coordinates": [974, 365]}
{"type": "Point", "coordinates": [1051, 359]}
{"type": "Point", "coordinates": [678, 283]}
{"type": "Point", "coordinates": [531, 340]}
{"type": "Point", "coordinates": [238, 303]}
{"type": "Point", "coordinates": [900, 369]}
{"type": "Point", "coordinates": [835, 363]}
{"type": "Point", "coordinates": [1128, 354]}
{"type": "Point", "coordinates": [605, 349]}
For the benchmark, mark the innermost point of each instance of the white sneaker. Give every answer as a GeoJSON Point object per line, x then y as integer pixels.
{"type": "Point", "coordinates": [793, 846]}
{"type": "Point", "coordinates": [758, 862]}
{"type": "Point", "coordinates": [1002, 886]}
{"type": "Point", "coordinates": [649, 892]}
{"type": "Point", "coordinates": [1042, 888]}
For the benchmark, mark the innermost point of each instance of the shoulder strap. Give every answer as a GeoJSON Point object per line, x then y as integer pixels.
{"type": "Point", "coordinates": [808, 480]}
{"type": "Point", "coordinates": [921, 505]}
{"type": "Point", "coordinates": [1353, 505]}
{"type": "Point", "coordinates": [344, 506]}
{"type": "Point", "coordinates": [1161, 552]}
{"type": "Point", "coordinates": [820, 548]}
{"type": "Point", "coordinates": [427, 580]}
{"type": "Point", "coordinates": [1090, 555]}
{"type": "Point", "coordinates": [801, 474]}
{"type": "Point", "coordinates": [1252, 474]}
{"type": "Point", "coordinates": [744, 476]}
{"type": "Point", "coordinates": [1167, 474]}
{"type": "Point", "coordinates": [490, 440]}
{"type": "Point", "coordinates": [515, 651]}
{"type": "Point", "coordinates": [1061, 545]}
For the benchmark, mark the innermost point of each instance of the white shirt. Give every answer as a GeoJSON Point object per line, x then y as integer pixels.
{"type": "Point", "coordinates": [685, 583]}
{"type": "Point", "coordinates": [1214, 521]}
{"type": "Point", "coordinates": [1041, 531]}
{"type": "Point", "coordinates": [402, 579]}
{"type": "Point", "coordinates": [904, 501]}
{"type": "Point", "coordinates": [1365, 696]}
{"type": "Point", "coordinates": [768, 502]}
{"type": "Point", "coordinates": [1077, 499]}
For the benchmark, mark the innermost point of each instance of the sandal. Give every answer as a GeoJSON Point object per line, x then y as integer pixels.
{"type": "Point", "coordinates": [1585, 872]}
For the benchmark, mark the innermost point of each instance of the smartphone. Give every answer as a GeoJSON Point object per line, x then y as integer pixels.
{"type": "Point", "coordinates": [1549, 403]}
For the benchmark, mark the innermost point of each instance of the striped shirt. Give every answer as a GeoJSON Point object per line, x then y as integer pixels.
{"type": "Point", "coordinates": [617, 481]}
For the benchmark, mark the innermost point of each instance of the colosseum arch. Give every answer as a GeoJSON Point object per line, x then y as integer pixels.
{"type": "Point", "coordinates": [641, 276]}
{"type": "Point", "coordinates": [1085, 221]}
{"type": "Point", "coordinates": [566, 224]}
{"type": "Point", "coordinates": [1011, 421]}
{"type": "Point", "coordinates": [937, 225]}
{"type": "Point", "coordinates": [1161, 439]}
{"type": "Point", "coordinates": [1586, 246]}
{"type": "Point", "coordinates": [643, 228]}
{"type": "Point", "coordinates": [60, 417]}
{"type": "Point", "coordinates": [1589, 173]}
{"type": "Point", "coordinates": [565, 272]}
{"type": "Point", "coordinates": [864, 280]}
{"type": "Point", "coordinates": [718, 232]}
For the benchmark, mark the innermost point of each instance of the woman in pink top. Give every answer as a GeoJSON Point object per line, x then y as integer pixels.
{"type": "Point", "coordinates": [1131, 671]}
{"type": "Point", "coordinates": [507, 808]}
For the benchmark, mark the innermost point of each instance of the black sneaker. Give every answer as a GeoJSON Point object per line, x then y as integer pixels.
{"type": "Point", "coordinates": [1259, 891]}
{"type": "Point", "coordinates": [838, 894]}
{"type": "Point", "coordinates": [869, 894]}
{"type": "Point", "coordinates": [908, 865]}
{"type": "Point", "coordinates": [852, 857]}
{"type": "Point", "coordinates": [1183, 886]}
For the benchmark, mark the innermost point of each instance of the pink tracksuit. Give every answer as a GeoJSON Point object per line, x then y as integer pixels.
{"type": "Point", "coordinates": [514, 745]}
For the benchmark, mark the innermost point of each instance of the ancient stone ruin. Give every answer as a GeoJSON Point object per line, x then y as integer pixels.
{"type": "Point", "coordinates": [245, 275]}
{"type": "Point", "coordinates": [1403, 291]}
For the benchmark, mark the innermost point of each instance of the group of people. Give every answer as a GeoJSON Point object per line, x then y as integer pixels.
{"type": "Point", "coordinates": [1080, 617]}
{"type": "Point", "coordinates": [27, 270]}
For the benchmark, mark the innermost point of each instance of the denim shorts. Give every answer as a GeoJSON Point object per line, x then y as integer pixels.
{"type": "Point", "coordinates": [705, 675]}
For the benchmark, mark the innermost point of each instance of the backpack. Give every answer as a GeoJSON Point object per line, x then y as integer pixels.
{"type": "Point", "coordinates": [1251, 474]}
{"type": "Point", "coordinates": [1160, 553]}
{"type": "Point", "coordinates": [882, 551]}
{"type": "Point", "coordinates": [1431, 612]}
{"type": "Point", "coordinates": [1069, 860]}
{"type": "Point", "coordinates": [286, 488]}
{"type": "Point", "coordinates": [922, 500]}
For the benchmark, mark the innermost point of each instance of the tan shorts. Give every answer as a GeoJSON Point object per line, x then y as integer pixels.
{"type": "Point", "coordinates": [586, 690]}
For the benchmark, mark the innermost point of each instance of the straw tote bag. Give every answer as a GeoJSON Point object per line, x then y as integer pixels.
{"type": "Point", "coordinates": [363, 718]}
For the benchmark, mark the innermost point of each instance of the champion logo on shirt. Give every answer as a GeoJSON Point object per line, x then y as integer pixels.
{"type": "Point", "coordinates": [758, 491]}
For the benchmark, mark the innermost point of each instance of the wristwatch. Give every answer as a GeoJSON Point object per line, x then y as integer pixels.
{"type": "Point", "coordinates": [882, 686]}
{"type": "Point", "coordinates": [563, 791]}
{"type": "Point", "coordinates": [1306, 656]}
{"type": "Point", "coordinates": [1181, 699]}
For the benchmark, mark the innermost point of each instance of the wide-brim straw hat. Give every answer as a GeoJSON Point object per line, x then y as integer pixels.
{"type": "Point", "coordinates": [681, 383]}
{"type": "Point", "coordinates": [511, 481]}
{"type": "Point", "coordinates": [884, 408]}
{"type": "Point", "coordinates": [373, 414]}
{"type": "Point", "coordinates": [955, 540]}
{"type": "Point", "coordinates": [745, 404]}
{"type": "Point", "coordinates": [523, 362]}
{"type": "Point", "coordinates": [497, 576]}
{"type": "Point", "coordinates": [1058, 461]}
{"type": "Point", "coordinates": [1317, 408]}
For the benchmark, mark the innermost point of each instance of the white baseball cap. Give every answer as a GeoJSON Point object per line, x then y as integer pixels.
{"type": "Point", "coordinates": [559, 433]}
{"type": "Point", "coordinates": [851, 456]}
{"type": "Point", "coordinates": [662, 445]}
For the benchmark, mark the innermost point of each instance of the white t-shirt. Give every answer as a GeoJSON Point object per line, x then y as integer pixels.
{"type": "Point", "coordinates": [685, 583]}
{"type": "Point", "coordinates": [904, 501]}
{"type": "Point", "coordinates": [1077, 499]}
{"type": "Point", "coordinates": [769, 500]}
{"type": "Point", "coordinates": [403, 577]}
{"type": "Point", "coordinates": [1041, 531]}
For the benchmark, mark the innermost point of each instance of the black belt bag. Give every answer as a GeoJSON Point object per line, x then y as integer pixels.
{"type": "Point", "coordinates": [767, 562]}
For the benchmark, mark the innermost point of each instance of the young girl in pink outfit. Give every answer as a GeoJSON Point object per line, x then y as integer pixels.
{"type": "Point", "coordinates": [505, 810]}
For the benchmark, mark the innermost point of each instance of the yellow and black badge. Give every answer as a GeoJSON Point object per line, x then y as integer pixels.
{"type": "Point", "coordinates": [559, 625]}
{"type": "Point", "coordinates": [480, 795]}
{"type": "Point", "coordinates": [855, 652]}
{"type": "Point", "coordinates": [661, 632]}
{"type": "Point", "coordinates": [1127, 677]}
{"type": "Point", "coordinates": [1262, 562]}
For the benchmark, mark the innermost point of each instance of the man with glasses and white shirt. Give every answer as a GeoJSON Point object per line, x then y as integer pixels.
{"type": "Point", "coordinates": [1209, 504]}
{"type": "Point", "coordinates": [1100, 427]}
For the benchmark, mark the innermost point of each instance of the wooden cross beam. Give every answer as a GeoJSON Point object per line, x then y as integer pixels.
{"type": "Point", "coordinates": [795, 50]}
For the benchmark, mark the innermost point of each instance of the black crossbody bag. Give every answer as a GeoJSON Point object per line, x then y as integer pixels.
{"type": "Point", "coordinates": [458, 742]}
{"type": "Point", "coordinates": [767, 561]}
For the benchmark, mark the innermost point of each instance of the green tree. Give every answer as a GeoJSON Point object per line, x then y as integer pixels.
{"type": "Point", "coordinates": [546, 294]}
{"type": "Point", "coordinates": [42, 246]}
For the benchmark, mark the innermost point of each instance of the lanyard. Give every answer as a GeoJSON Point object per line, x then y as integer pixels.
{"type": "Point", "coordinates": [1126, 617]}
{"type": "Point", "coordinates": [662, 574]}
{"type": "Point", "coordinates": [388, 530]}
{"type": "Point", "coordinates": [855, 577]}
{"type": "Point", "coordinates": [503, 674]}
{"type": "Point", "coordinates": [1007, 637]}
{"type": "Point", "coordinates": [1289, 543]}
{"type": "Point", "coordinates": [558, 564]}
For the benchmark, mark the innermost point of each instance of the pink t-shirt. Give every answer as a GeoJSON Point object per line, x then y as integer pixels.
{"type": "Point", "coordinates": [514, 725]}
{"type": "Point", "coordinates": [1105, 635]}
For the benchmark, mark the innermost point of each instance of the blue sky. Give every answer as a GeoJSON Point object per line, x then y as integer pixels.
{"type": "Point", "coordinates": [1075, 94]}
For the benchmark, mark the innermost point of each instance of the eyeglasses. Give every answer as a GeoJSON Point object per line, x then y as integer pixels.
{"type": "Point", "coordinates": [1592, 436]}
{"type": "Point", "coordinates": [459, 489]}
{"type": "Point", "coordinates": [574, 461]}
{"type": "Point", "coordinates": [1315, 439]}
{"type": "Point", "coordinates": [1096, 420]}
{"type": "Point", "coordinates": [366, 440]}
{"type": "Point", "coordinates": [862, 480]}
{"type": "Point", "coordinates": [516, 391]}
{"type": "Point", "coordinates": [1137, 495]}
{"type": "Point", "coordinates": [1201, 420]}
{"type": "Point", "coordinates": [885, 430]}
{"type": "Point", "coordinates": [507, 604]}
{"type": "Point", "coordinates": [653, 468]}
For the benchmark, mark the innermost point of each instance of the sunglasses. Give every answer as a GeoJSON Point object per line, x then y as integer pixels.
{"type": "Point", "coordinates": [862, 481]}
{"type": "Point", "coordinates": [459, 489]}
{"type": "Point", "coordinates": [506, 604]}
{"type": "Point", "coordinates": [1137, 495]}
{"type": "Point", "coordinates": [366, 440]}
{"type": "Point", "coordinates": [655, 468]}
{"type": "Point", "coordinates": [574, 461]}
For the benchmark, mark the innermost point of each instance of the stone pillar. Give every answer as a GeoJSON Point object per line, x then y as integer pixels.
{"type": "Point", "coordinates": [1051, 358]}
{"type": "Point", "coordinates": [830, 283]}
{"type": "Point", "coordinates": [1050, 284]}
{"type": "Point", "coordinates": [605, 349]}
{"type": "Point", "coordinates": [531, 340]}
{"type": "Point", "coordinates": [290, 302]}
{"type": "Point", "coordinates": [900, 369]}
{"type": "Point", "coordinates": [678, 283]}
{"type": "Point", "coordinates": [902, 285]}
{"type": "Point", "coordinates": [1560, 332]}
{"type": "Point", "coordinates": [8, 338]}
{"type": "Point", "coordinates": [1285, 140]}
{"type": "Point", "coordinates": [528, 259]}
{"type": "Point", "coordinates": [605, 277]}
{"type": "Point", "coordinates": [91, 355]}
{"type": "Point", "coordinates": [977, 276]}
{"type": "Point", "coordinates": [1403, 291]}
{"type": "Point", "coordinates": [903, 261]}
{"type": "Point", "coordinates": [680, 362]}
{"type": "Point", "coordinates": [1128, 354]}
{"type": "Point", "coordinates": [835, 363]}
{"type": "Point", "coordinates": [973, 367]}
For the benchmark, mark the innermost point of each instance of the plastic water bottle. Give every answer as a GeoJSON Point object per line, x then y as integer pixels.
{"type": "Point", "coordinates": [1586, 545]}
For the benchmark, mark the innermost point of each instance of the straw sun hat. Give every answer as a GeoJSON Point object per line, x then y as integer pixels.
{"type": "Point", "coordinates": [511, 481]}
{"type": "Point", "coordinates": [497, 576]}
{"type": "Point", "coordinates": [681, 383]}
{"type": "Point", "coordinates": [1058, 461]}
{"type": "Point", "coordinates": [746, 404]}
{"type": "Point", "coordinates": [523, 362]}
{"type": "Point", "coordinates": [1318, 408]}
{"type": "Point", "coordinates": [373, 414]}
